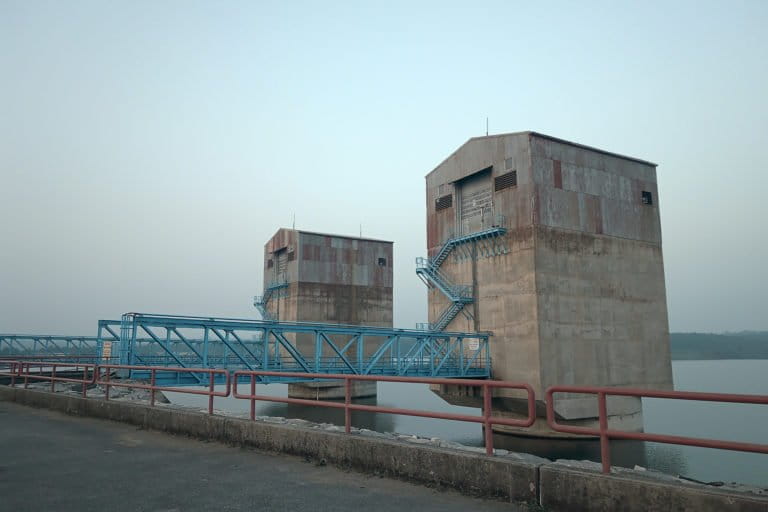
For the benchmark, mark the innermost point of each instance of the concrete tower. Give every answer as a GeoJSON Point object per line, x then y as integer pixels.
{"type": "Point", "coordinates": [559, 246]}
{"type": "Point", "coordinates": [317, 277]}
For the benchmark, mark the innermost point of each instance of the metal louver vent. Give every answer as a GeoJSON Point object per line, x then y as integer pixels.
{"type": "Point", "coordinates": [505, 180]}
{"type": "Point", "coordinates": [441, 203]}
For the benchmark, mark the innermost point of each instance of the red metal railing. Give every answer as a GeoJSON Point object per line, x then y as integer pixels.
{"type": "Point", "coordinates": [105, 380]}
{"type": "Point", "coordinates": [606, 434]}
{"type": "Point", "coordinates": [101, 374]}
{"type": "Point", "coordinates": [46, 371]}
{"type": "Point", "coordinates": [10, 369]}
{"type": "Point", "coordinates": [487, 386]}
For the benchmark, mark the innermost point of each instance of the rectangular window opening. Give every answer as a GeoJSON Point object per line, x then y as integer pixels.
{"type": "Point", "coordinates": [382, 262]}
{"type": "Point", "coordinates": [647, 197]}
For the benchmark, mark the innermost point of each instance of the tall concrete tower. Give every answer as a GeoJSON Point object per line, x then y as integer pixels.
{"type": "Point", "coordinates": [317, 277]}
{"type": "Point", "coordinates": [555, 247]}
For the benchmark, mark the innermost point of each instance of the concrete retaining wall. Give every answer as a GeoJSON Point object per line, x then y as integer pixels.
{"type": "Point", "coordinates": [553, 486]}
{"type": "Point", "coordinates": [563, 488]}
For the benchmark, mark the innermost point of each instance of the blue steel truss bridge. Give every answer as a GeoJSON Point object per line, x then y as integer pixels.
{"type": "Point", "coordinates": [198, 342]}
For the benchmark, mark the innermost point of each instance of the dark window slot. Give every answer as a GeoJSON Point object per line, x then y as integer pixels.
{"type": "Point", "coordinates": [647, 197]}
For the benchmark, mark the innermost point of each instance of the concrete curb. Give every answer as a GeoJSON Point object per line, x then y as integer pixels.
{"type": "Point", "coordinates": [564, 488]}
{"type": "Point", "coordinates": [553, 486]}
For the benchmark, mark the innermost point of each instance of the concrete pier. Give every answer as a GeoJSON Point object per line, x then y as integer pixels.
{"type": "Point", "coordinates": [331, 279]}
{"type": "Point", "coordinates": [331, 390]}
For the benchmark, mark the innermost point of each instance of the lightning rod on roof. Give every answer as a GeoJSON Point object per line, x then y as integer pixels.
{"type": "Point", "coordinates": [486, 126]}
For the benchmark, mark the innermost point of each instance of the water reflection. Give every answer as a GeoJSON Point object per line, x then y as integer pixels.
{"type": "Point", "coordinates": [626, 454]}
{"type": "Point", "coordinates": [667, 458]}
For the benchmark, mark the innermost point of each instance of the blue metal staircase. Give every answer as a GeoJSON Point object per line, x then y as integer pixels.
{"type": "Point", "coordinates": [261, 301]}
{"type": "Point", "coordinates": [459, 295]}
{"type": "Point", "coordinates": [485, 244]}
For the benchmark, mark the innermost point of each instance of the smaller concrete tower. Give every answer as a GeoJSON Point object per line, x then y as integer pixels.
{"type": "Point", "coordinates": [318, 277]}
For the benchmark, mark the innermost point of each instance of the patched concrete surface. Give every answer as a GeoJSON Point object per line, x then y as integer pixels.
{"type": "Point", "coordinates": [50, 461]}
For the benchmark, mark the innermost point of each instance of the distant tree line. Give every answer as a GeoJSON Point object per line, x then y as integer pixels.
{"type": "Point", "coordinates": [742, 345]}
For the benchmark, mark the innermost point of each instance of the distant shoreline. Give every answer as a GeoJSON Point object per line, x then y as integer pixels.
{"type": "Point", "coordinates": [692, 346]}
{"type": "Point", "coordinates": [722, 359]}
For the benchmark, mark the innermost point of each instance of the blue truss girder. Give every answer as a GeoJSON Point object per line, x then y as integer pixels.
{"type": "Point", "coordinates": [48, 345]}
{"type": "Point", "coordinates": [302, 347]}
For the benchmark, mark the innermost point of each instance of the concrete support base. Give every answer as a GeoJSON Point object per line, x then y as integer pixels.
{"type": "Point", "coordinates": [330, 390]}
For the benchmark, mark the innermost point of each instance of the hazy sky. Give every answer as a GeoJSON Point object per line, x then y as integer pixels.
{"type": "Point", "coordinates": [149, 149]}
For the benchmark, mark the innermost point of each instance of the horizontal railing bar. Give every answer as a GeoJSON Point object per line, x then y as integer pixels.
{"type": "Point", "coordinates": [654, 393]}
{"type": "Point", "coordinates": [157, 320]}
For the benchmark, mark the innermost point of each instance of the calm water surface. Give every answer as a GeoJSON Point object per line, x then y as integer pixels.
{"type": "Point", "coordinates": [731, 422]}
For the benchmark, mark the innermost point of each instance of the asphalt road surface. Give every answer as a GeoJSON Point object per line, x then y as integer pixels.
{"type": "Point", "coordinates": [50, 461]}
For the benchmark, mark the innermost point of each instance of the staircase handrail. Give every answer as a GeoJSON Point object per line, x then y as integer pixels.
{"type": "Point", "coordinates": [455, 292]}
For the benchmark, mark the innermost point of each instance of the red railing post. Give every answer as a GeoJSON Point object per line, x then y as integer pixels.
{"type": "Point", "coordinates": [53, 376]}
{"type": "Point", "coordinates": [85, 378]}
{"type": "Point", "coordinates": [487, 420]}
{"type": "Point", "coordinates": [210, 391]}
{"type": "Point", "coordinates": [106, 384]}
{"type": "Point", "coordinates": [152, 388]}
{"type": "Point", "coordinates": [26, 374]}
{"type": "Point", "coordinates": [605, 442]}
{"type": "Point", "coordinates": [14, 368]}
{"type": "Point", "coordinates": [347, 401]}
{"type": "Point", "coordinates": [253, 392]}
